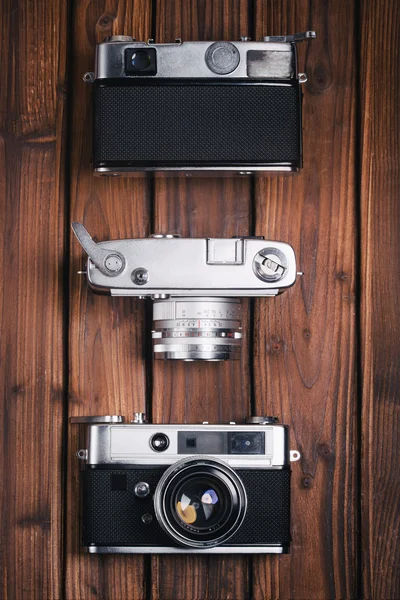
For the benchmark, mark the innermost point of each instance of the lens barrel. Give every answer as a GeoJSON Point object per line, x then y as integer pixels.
{"type": "Point", "coordinates": [200, 502]}
{"type": "Point", "coordinates": [197, 328]}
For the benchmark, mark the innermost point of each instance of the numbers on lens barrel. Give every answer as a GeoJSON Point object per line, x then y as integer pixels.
{"type": "Point", "coordinates": [196, 324]}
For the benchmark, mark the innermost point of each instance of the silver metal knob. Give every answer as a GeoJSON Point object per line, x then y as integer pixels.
{"type": "Point", "coordinates": [261, 420]}
{"type": "Point", "coordinates": [222, 57]}
{"type": "Point", "coordinates": [166, 236]}
{"type": "Point", "coordinates": [141, 489]}
{"type": "Point", "coordinates": [94, 420]}
{"type": "Point", "coordinates": [139, 418]}
{"type": "Point", "coordinates": [140, 276]}
{"type": "Point", "coordinates": [119, 38]}
{"type": "Point", "coordinates": [270, 265]}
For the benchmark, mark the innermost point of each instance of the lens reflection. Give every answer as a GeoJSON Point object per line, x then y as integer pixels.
{"type": "Point", "coordinates": [199, 505]}
{"type": "Point", "coordinates": [141, 60]}
{"type": "Point", "coordinates": [209, 497]}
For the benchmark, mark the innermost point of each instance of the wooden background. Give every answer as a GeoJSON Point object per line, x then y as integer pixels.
{"type": "Point", "coordinates": [324, 356]}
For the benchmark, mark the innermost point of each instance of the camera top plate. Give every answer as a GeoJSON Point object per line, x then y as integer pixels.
{"type": "Point", "coordinates": [274, 57]}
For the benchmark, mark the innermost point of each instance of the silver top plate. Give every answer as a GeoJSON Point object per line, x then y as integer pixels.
{"type": "Point", "coordinates": [212, 267]}
{"type": "Point", "coordinates": [196, 60]}
{"type": "Point", "coordinates": [130, 444]}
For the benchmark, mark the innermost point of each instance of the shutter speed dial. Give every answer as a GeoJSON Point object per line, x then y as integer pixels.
{"type": "Point", "coordinates": [270, 265]}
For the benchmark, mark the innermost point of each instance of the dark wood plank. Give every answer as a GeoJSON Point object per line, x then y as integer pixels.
{"type": "Point", "coordinates": [380, 323]}
{"type": "Point", "coordinates": [107, 336]}
{"type": "Point", "coordinates": [304, 347]}
{"type": "Point", "coordinates": [195, 392]}
{"type": "Point", "coordinates": [32, 341]}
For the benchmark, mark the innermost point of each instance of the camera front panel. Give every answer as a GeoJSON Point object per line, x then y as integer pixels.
{"type": "Point", "coordinates": [114, 517]}
{"type": "Point", "coordinates": [145, 124]}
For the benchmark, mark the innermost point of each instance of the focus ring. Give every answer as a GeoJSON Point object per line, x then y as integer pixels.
{"type": "Point", "coordinates": [197, 328]}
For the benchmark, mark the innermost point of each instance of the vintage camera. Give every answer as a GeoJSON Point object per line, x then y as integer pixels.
{"type": "Point", "coordinates": [194, 284]}
{"type": "Point", "coordinates": [197, 106]}
{"type": "Point", "coordinates": [185, 488]}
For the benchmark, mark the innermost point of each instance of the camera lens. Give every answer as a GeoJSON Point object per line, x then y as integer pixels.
{"type": "Point", "coordinates": [159, 442]}
{"type": "Point", "coordinates": [140, 60]}
{"type": "Point", "coordinates": [200, 502]}
{"type": "Point", "coordinates": [197, 328]}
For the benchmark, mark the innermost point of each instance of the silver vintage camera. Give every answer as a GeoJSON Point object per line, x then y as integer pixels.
{"type": "Point", "coordinates": [197, 106]}
{"type": "Point", "coordinates": [195, 284]}
{"type": "Point", "coordinates": [185, 488]}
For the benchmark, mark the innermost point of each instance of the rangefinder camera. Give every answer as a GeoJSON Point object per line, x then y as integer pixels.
{"type": "Point", "coordinates": [195, 285]}
{"type": "Point", "coordinates": [185, 488]}
{"type": "Point", "coordinates": [197, 106]}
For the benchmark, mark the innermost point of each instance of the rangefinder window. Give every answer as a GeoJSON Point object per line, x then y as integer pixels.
{"type": "Point", "coordinates": [140, 61]}
{"type": "Point", "coordinates": [201, 442]}
{"type": "Point", "coordinates": [246, 443]}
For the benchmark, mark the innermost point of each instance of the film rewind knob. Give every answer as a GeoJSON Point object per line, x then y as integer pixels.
{"type": "Point", "coordinates": [109, 262]}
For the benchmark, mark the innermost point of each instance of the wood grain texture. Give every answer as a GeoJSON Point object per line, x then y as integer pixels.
{"type": "Point", "coordinates": [196, 392]}
{"type": "Point", "coordinates": [107, 336]}
{"type": "Point", "coordinates": [32, 341]}
{"type": "Point", "coordinates": [304, 350]}
{"type": "Point", "coordinates": [303, 364]}
{"type": "Point", "coordinates": [380, 323]}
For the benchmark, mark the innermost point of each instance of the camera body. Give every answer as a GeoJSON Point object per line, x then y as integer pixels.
{"type": "Point", "coordinates": [185, 488]}
{"type": "Point", "coordinates": [197, 106]}
{"type": "Point", "coordinates": [194, 284]}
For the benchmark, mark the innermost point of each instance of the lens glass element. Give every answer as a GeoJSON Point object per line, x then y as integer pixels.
{"type": "Point", "coordinates": [141, 60]}
{"type": "Point", "coordinates": [200, 503]}
{"type": "Point", "coordinates": [159, 442]}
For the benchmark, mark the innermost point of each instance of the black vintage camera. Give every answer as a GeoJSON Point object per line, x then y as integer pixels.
{"type": "Point", "coordinates": [197, 106]}
{"type": "Point", "coordinates": [186, 488]}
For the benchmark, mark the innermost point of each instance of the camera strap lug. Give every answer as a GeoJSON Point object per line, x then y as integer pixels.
{"type": "Point", "coordinates": [88, 77]}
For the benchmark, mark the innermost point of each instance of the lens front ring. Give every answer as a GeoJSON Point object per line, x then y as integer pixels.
{"type": "Point", "coordinates": [218, 475]}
